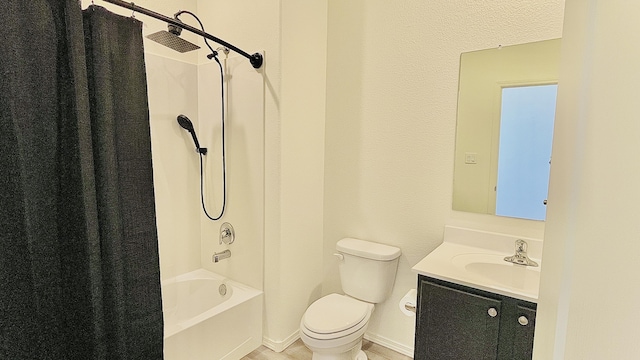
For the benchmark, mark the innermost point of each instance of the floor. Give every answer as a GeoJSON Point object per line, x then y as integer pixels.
{"type": "Point", "coordinates": [297, 351]}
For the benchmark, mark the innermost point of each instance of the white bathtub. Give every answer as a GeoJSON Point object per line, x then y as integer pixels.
{"type": "Point", "coordinates": [200, 323]}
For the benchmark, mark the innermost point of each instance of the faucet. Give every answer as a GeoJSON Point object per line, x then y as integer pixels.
{"type": "Point", "coordinates": [220, 256]}
{"type": "Point", "coordinates": [520, 256]}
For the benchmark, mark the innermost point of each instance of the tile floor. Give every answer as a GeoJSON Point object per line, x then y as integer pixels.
{"type": "Point", "coordinates": [297, 351]}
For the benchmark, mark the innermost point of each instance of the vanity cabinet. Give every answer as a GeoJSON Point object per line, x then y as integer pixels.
{"type": "Point", "coordinates": [459, 322]}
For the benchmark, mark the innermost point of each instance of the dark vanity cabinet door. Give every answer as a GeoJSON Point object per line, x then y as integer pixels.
{"type": "Point", "coordinates": [452, 324]}
{"type": "Point", "coordinates": [523, 334]}
{"type": "Point", "coordinates": [458, 322]}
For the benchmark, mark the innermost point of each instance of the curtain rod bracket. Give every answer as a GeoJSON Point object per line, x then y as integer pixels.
{"type": "Point", "coordinates": [256, 60]}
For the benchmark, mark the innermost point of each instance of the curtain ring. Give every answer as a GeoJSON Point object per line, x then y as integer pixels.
{"type": "Point", "coordinates": [133, 10]}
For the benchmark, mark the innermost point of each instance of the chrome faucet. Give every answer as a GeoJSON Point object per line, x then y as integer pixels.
{"type": "Point", "coordinates": [220, 256]}
{"type": "Point", "coordinates": [520, 256]}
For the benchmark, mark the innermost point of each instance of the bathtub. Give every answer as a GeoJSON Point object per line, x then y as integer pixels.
{"type": "Point", "coordinates": [207, 316]}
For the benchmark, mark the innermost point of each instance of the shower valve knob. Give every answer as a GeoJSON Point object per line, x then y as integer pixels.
{"type": "Point", "coordinates": [227, 234]}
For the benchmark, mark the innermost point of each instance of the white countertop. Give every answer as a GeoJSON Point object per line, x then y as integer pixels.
{"type": "Point", "coordinates": [476, 259]}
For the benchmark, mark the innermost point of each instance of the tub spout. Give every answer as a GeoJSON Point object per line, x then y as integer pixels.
{"type": "Point", "coordinates": [221, 255]}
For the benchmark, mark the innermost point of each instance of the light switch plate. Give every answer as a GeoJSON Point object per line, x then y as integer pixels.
{"type": "Point", "coordinates": [470, 158]}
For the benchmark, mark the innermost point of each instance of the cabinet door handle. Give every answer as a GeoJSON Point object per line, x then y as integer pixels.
{"type": "Point", "coordinates": [492, 312]}
{"type": "Point", "coordinates": [522, 320]}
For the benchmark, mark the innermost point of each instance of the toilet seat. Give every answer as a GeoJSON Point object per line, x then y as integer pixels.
{"type": "Point", "coordinates": [335, 316]}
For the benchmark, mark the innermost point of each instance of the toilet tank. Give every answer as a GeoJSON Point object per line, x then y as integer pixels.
{"type": "Point", "coordinates": [367, 269]}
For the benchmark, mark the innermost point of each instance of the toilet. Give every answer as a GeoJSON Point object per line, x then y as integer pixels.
{"type": "Point", "coordinates": [333, 326]}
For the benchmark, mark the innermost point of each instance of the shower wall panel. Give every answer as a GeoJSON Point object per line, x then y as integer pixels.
{"type": "Point", "coordinates": [173, 90]}
{"type": "Point", "coordinates": [244, 127]}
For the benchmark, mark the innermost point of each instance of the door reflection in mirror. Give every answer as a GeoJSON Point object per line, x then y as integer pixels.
{"type": "Point", "coordinates": [526, 132]}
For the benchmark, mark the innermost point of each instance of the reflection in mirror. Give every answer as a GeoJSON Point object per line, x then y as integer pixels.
{"type": "Point", "coordinates": [506, 108]}
{"type": "Point", "coordinates": [524, 151]}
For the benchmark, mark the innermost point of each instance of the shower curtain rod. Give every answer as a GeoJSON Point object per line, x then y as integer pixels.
{"type": "Point", "coordinates": [255, 59]}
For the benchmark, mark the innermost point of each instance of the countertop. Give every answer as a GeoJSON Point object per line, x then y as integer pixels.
{"type": "Point", "coordinates": [476, 259]}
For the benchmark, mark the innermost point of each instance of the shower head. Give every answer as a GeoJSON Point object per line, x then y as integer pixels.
{"type": "Point", "coordinates": [186, 124]}
{"type": "Point", "coordinates": [172, 39]}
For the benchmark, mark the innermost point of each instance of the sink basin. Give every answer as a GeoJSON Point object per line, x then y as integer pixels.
{"type": "Point", "coordinates": [475, 259]}
{"type": "Point", "coordinates": [492, 268]}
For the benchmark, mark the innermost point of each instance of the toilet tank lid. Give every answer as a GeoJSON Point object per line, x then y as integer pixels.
{"type": "Point", "coordinates": [368, 249]}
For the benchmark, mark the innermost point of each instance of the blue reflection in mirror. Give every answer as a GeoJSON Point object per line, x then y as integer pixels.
{"type": "Point", "coordinates": [524, 155]}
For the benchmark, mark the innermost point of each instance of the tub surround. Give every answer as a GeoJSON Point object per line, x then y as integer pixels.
{"type": "Point", "coordinates": [476, 259]}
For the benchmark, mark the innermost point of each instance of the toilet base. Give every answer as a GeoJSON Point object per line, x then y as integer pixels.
{"type": "Point", "coordinates": [354, 353]}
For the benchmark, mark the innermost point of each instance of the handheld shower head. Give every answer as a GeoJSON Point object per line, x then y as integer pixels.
{"type": "Point", "coordinates": [186, 124]}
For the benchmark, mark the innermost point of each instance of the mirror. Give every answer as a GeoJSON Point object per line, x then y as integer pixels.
{"type": "Point", "coordinates": [506, 108]}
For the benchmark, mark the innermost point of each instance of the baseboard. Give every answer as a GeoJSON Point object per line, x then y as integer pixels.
{"type": "Point", "coordinates": [279, 346]}
{"type": "Point", "coordinates": [393, 345]}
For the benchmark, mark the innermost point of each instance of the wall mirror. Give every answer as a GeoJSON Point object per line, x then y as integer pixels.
{"type": "Point", "coordinates": [506, 109]}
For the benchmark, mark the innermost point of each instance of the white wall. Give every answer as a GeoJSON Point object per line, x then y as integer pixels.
{"type": "Point", "coordinates": [303, 55]}
{"type": "Point", "coordinates": [589, 294]}
{"type": "Point", "coordinates": [392, 78]}
{"type": "Point", "coordinates": [293, 36]}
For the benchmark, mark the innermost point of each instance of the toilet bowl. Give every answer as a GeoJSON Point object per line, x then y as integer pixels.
{"type": "Point", "coordinates": [334, 325]}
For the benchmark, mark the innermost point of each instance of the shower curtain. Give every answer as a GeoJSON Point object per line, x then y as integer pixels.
{"type": "Point", "coordinates": [79, 267]}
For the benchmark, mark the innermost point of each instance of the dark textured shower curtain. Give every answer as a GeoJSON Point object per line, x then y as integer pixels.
{"type": "Point", "coordinates": [79, 269]}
